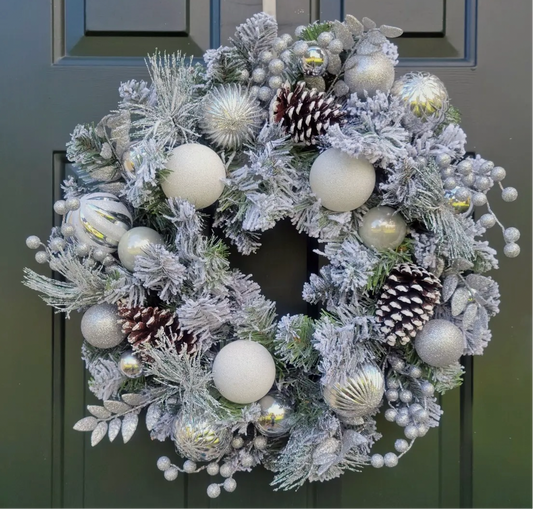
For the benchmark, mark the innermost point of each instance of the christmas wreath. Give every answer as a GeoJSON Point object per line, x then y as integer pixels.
{"type": "Point", "coordinates": [313, 128]}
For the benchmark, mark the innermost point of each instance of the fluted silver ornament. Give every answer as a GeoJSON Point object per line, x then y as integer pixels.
{"type": "Point", "coordinates": [231, 116]}
{"type": "Point", "coordinates": [277, 415]}
{"type": "Point", "coordinates": [314, 61]}
{"type": "Point", "coordinates": [359, 395]}
{"type": "Point", "coordinates": [424, 95]}
{"type": "Point", "coordinates": [130, 365]}
{"type": "Point", "coordinates": [100, 221]}
{"type": "Point", "coordinates": [198, 438]}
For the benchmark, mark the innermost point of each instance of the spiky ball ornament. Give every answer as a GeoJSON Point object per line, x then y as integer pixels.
{"type": "Point", "coordinates": [231, 116]}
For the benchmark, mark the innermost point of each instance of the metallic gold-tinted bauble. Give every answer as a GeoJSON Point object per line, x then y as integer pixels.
{"type": "Point", "coordinates": [424, 95]}
{"type": "Point", "coordinates": [314, 61]}
{"type": "Point", "coordinates": [359, 395]}
{"type": "Point", "coordinates": [199, 439]}
{"type": "Point", "coordinates": [277, 415]}
{"type": "Point", "coordinates": [459, 206]}
{"type": "Point", "coordinates": [100, 221]}
{"type": "Point", "coordinates": [382, 228]}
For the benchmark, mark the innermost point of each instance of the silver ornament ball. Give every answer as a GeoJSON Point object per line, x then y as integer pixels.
{"type": "Point", "coordinates": [511, 234]}
{"type": "Point", "coordinates": [487, 220]}
{"type": "Point", "coordinates": [99, 254]}
{"type": "Point", "coordinates": [287, 38]}
{"type": "Point", "coordinates": [392, 395]}
{"type": "Point", "coordinates": [260, 443]}
{"type": "Point", "coordinates": [498, 174]}
{"type": "Point", "coordinates": [163, 463]}
{"type": "Point", "coordinates": [335, 47]}
{"type": "Point", "coordinates": [33, 242]}
{"type": "Point", "coordinates": [422, 429]}
{"type": "Point", "coordinates": [57, 244]}
{"type": "Point", "coordinates": [277, 415]}
{"type": "Point", "coordinates": [393, 383]}
{"type": "Point", "coordinates": [247, 460]}
{"type": "Point", "coordinates": [60, 207]}
{"type": "Point", "coordinates": [369, 74]}
{"type": "Point", "coordinates": [274, 82]}
{"type": "Point", "coordinates": [82, 250]}
{"type": "Point", "coordinates": [427, 388]}
{"type": "Point", "coordinates": [72, 203]}
{"type": "Point", "coordinates": [390, 459]}
{"type": "Point", "coordinates": [406, 396]}
{"type": "Point", "coordinates": [415, 372]}
{"type": "Point", "coordinates": [213, 469]}
{"type": "Point", "coordinates": [509, 194]}
{"type": "Point", "coordinates": [264, 94]}
{"type": "Point", "coordinates": [230, 485]}
{"type": "Point", "coordinates": [414, 408]}
{"type": "Point", "coordinates": [450, 183]}
{"type": "Point", "coordinates": [258, 75]}
{"type": "Point", "coordinates": [511, 250]}
{"type": "Point", "coordinates": [468, 180]}
{"type": "Point", "coordinates": [314, 61]}
{"type": "Point", "coordinates": [487, 166]}
{"type": "Point", "coordinates": [402, 419]}
{"type": "Point", "coordinates": [171, 474]}
{"type": "Point", "coordinates": [279, 44]}
{"type": "Point", "coordinates": [359, 395]}
{"type": "Point", "coordinates": [67, 230]}
{"type": "Point", "coordinates": [382, 228]}
{"type": "Point", "coordinates": [226, 470]}
{"type": "Point", "coordinates": [443, 160]}
{"type": "Point", "coordinates": [479, 199]}
{"type": "Point", "coordinates": [189, 466]}
{"type": "Point", "coordinates": [465, 167]}
{"type": "Point", "coordinates": [422, 415]}
{"type": "Point", "coordinates": [198, 438]}
{"type": "Point", "coordinates": [266, 56]}
{"type": "Point", "coordinates": [410, 431]}
{"type": "Point", "coordinates": [134, 243]}
{"type": "Point", "coordinates": [213, 490]}
{"type": "Point", "coordinates": [439, 343]}
{"type": "Point", "coordinates": [100, 326]}
{"type": "Point", "coordinates": [130, 365]}
{"type": "Point", "coordinates": [276, 66]}
{"type": "Point", "coordinates": [390, 414]}
{"type": "Point", "coordinates": [483, 183]}
{"type": "Point", "coordinates": [300, 48]}
{"type": "Point", "coordinates": [299, 30]}
{"type": "Point", "coordinates": [195, 174]}
{"type": "Point", "coordinates": [237, 442]}
{"type": "Point", "coordinates": [401, 445]}
{"type": "Point", "coordinates": [377, 460]}
{"type": "Point", "coordinates": [324, 39]}
{"type": "Point", "coordinates": [41, 257]}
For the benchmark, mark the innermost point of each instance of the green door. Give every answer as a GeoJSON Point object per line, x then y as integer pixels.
{"type": "Point", "coordinates": [61, 63]}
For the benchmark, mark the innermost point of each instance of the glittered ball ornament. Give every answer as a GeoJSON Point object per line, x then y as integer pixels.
{"type": "Point", "coordinates": [243, 371]}
{"type": "Point", "coordinates": [100, 326]}
{"type": "Point", "coordinates": [423, 94]}
{"type": "Point", "coordinates": [440, 343]}
{"type": "Point", "coordinates": [314, 61]}
{"type": "Point", "coordinates": [100, 221]}
{"type": "Point", "coordinates": [231, 116]}
{"type": "Point", "coordinates": [130, 365]}
{"type": "Point", "coordinates": [357, 396]}
{"type": "Point", "coordinates": [195, 173]}
{"type": "Point", "coordinates": [135, 242]}
{"type": "Point", "coordinates": [342, 182]}
{"type": "Point", "coordinates": [198, 438]}
{"type": "Point", "coordinates": [369, 73]}
{"type": "Point", "coordinates": [382, 228]}
{"type": "Point", "coordinates": [277, 415]}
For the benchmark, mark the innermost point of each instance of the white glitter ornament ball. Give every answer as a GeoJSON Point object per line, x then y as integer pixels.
{"type": "Point", "coordinates": [100, 326]}
{"type": "Point", "coordinates": [134, 243]}
{"type": "Point", "coordinates": [231, 116]}
{"type": "Point", "coordinates": [440, 343]}
{"type": "Point", "coordinates": [342, 182]}
{"type": "Point", "coordinates": [196, 174]}
{"type": "Point", "coordinates": [243, 371]}
{"type": "Point", "coordinates": [382, 228]}
{"type": "Point", "coordinates": [370, 73]}
{"type": "Point", "coordinates": [100, 221]}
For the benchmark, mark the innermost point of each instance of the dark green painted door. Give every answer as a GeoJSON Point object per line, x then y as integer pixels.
{"type": "Point", "coordinates": [61, 62]}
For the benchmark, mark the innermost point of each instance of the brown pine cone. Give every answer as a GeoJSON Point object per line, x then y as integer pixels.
{"type": "Point", "coordinates": [142, 325]}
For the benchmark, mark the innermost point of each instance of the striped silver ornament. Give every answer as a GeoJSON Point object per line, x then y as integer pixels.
{"type": "Point", "coordinates": [100, 221]}
{"type": "Point", "coordinates": [359, 395]}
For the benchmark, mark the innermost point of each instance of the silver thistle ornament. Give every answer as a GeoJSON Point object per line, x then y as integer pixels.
{"type": "Point", "coordinates": [359, 395]}
{"type": "Point", "coordinates": [231, 116]}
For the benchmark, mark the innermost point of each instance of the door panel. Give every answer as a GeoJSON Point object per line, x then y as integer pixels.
{"type": "Point", "coordinates": [62, 63]}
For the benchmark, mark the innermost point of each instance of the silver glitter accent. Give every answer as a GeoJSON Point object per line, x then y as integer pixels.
{"type": "Point", "coordinates": [171, 474]}
{"type": "Point", "coordinates": [213, 490]}
{"type": "Point", "coordinates": [129, 425]}
{"type": "Point", "coordinates": [440, 343]}
{"type": "Point", "coordinates": [116, 407]}
{"type": "Point", "coordinates": [99, 411]}
{"type": "Point", "coordinates": [460, 299]}
{"type": "Point", "coordinates": [152, 416]}
{"type": "Point", "coordinates": [100, 326]}
{"type": "Point", "coordinates": [369, 73]}
{"type": "Point", "coordinates": [133, 399]}
{"type": "Point", "coordinates": [163, 463]}
{"type": "Point", "coordinates": [98, 433]}
{"type": "Point", "coordinates": [511, 250]}
{"type": "Point", "coordinates": [114, 429]}
{"type": "Point", "coordinates": [231, 116]}
{"type": "Point", "coordinates": [86, 424]}
{"type": "Point", "coordinates": [33, 242]}
{"type": "Point", "coordinates": [230, 485]}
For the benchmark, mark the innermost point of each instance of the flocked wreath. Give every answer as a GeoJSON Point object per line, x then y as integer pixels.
{"type": "Point", "coordinates": [313, 128]}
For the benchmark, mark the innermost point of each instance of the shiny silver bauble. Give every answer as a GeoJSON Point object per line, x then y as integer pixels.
{"type": "Point", "coordinates": [130, 365]}
{"type": "Point", "coordinates": [135, 242]}
{"type": "Point", "coordinates": [314, 62]}
{"type": "Point", "coordinates": [277, 415]}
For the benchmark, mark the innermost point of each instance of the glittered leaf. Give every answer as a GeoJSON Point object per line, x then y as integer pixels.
{"type": "Point", "coordinates": [460, 300]}
{"type": "Point", "coordinates": [98, 433]}
{"type": "Point", "coordinates": [114, 428]}
{"type": "Point", "coordinates": [99, 411]}
{"type": "Point", "coordinates": [470, 315]}
{"type": "Point", "coordinates": [134, 399]}
{"type": "Point", "coordinates": [152, 416]}
{"type": "Point", "coordinates": [342, 33]}
{"type": "Point", "coordinates": [462, 264]}
{"type": "Point", "coordinates": [376, 38]}
{"type": "Point", "coordinates": [367, 48]}
{"type": "Point", "coordinates": [86, 424]}
{"type": "Point", "coordinates": [116, 407]}
{"type": "Point", "coordinates": [129, 425]}
{"type": "Point", "coordinates": [478, 282]}
{"type": "Point", "coordinates": [354, 25]}
{"type": "Point", "coordinates": [390, 32]}
{"type": "Point", "coordinates": [483, 317]}
{"type": "Point", "coordinates": [448, 287]}
{"type": "Point", "coordinates": [368, 23]}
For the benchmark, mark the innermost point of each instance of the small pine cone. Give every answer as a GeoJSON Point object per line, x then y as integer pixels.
{"type": "Point", "coordinates": [306, 114]}
{"type": "Point", "coordinates": [407, 302]}
{"type": "Point", "coordinates": [142, 325]}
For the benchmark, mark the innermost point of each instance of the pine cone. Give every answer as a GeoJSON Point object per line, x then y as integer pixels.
{"type": "Point", "coordinates": [142, 325]}
{"type": "Point", "coordinates": [409, 297]}
{"type": "Point", "coordinates": [306, 114]}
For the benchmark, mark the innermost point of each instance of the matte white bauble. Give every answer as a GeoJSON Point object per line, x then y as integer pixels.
{"type": "Point", "coordinates": [196, 174]}
{"type": "Point", "coordinates": [243, 371]}
{"type": "Point", "coordinates": [342, 182]}
{"type": "Point", "coordinates": [382, 228]}
{"type": "Point", "coordinates": [100, 221]}
{"type": "Point", "coordinates": [134, 243]}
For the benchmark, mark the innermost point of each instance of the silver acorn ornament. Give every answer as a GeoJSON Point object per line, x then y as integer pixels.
{"type": "Point", "coordinates": [277, 415]}
{"type": "Point", "coordinates": [359, 395]}
{"type": "Point", "coordinates": [424, 95]}
{"type": "Point", "coordinates": [100, 221]}
{"type": "Point", "coordinates": [231, 116]}
{"type": "Point", "coordinates": [369, 73]}
{"type": "Point", "coordinates": [314, 61]}
{"type": "Point", "coordinates": [198, 438]}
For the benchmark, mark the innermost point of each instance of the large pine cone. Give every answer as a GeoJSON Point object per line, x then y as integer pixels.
{"type": "Point", "coordinates": [306, 114]}
{"type": "Point", "coordinates": [407, 302]}
{"type": "Point", "coordinates": [142, 325]}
